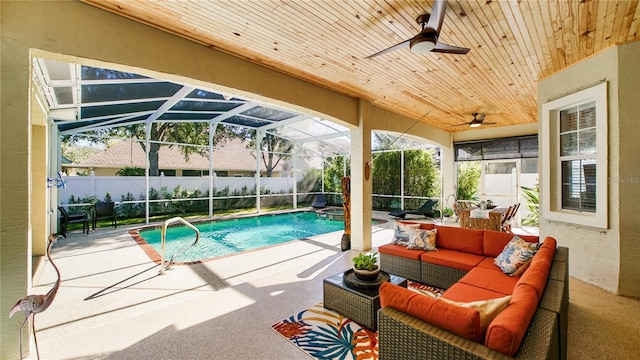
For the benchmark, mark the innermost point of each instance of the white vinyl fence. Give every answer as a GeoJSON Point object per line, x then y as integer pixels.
{"type": "Point", "coordinates": [119, 186]}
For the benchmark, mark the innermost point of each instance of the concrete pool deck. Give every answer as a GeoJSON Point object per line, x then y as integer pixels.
{"type": "Point", "coordinates": [112, 303]}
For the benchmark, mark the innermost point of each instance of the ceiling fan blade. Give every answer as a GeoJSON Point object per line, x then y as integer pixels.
{"type": "Point", "coordinates": [481, 116]}
{"type": "Point", "coordinates": [402, 45]}
{"type": "Point", "coordinates": [437, 15]}
{"type": "Point", "coordinates": [449, 49]}
{"type": "Point", "coordinates": [489, 123]}
{"type": "Point", "coordinates": [459, 124]}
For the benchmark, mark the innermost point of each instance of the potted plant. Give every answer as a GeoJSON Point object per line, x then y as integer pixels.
{"type": "Point", "coordinates": [447, 212]}
{"type": "Point", "coordinates": [365, 267]}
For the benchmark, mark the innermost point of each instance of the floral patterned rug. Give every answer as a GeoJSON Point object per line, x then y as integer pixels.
{"type": "Point", "coordinates": [324, 334]}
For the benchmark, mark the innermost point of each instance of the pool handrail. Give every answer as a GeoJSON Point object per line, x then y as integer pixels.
{"type": "Point", "coordinates": [164, 236]}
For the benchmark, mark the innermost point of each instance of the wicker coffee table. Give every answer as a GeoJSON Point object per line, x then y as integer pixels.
{"type": "Point", "coordinates": [358, 303]}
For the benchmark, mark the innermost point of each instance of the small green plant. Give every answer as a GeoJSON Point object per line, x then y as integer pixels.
{"type": "Point", "coordinates": [447, 212]}
{"type": "Point", "coordinates": [365, 262]}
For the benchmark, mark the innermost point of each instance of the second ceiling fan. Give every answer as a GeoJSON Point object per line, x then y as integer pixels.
{"type": "Point", "coordinates": [427, 39]}
{"type": "Point", "coordinates": [478, 120]}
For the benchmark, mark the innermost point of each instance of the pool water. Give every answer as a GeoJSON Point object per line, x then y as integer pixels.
{"type": "Point", "coordinates": [225, 237]}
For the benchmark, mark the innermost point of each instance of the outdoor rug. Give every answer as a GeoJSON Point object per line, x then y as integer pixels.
{"type": "Point", "coordinates": [324, 334]}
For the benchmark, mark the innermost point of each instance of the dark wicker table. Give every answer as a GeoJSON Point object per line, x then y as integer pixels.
{"type": "Point", "coordinates": [360, 304]}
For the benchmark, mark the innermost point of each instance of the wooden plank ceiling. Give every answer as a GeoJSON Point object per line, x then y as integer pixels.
{"type": "Point", "coordinates": [513, 44]}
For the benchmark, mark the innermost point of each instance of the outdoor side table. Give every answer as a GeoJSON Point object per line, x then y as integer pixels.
{"type": "Point", "coordinates": [358, 304]}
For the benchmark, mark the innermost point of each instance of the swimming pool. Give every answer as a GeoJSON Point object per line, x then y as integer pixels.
{"type": "Point", "coordinates": [223, 237]}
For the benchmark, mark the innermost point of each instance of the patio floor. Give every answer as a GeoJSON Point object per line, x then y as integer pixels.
{"type": "Point", "coordinates": [112, 304]}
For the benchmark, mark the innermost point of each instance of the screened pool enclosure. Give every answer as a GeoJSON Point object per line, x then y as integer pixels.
{"type": "Point", "coordinates": [293, 155]}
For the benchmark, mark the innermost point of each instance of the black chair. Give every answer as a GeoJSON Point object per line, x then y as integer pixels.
{"type": "Point", "coordinates": [66, 219]}
{"type": "Point", "coordinates": [320, 202]}
{"type": "Point", "coordinates": [104, 210]}
{"type": "Point", "coordinates": [425, 210]}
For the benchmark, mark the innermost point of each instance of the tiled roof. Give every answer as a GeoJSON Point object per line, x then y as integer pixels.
{"type": "Point", "coordinates": [234, 156]}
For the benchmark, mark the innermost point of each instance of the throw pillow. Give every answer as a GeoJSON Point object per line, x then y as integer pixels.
{"type": "Point", "coordinates": [522, 269]}
{"type": "Point", "coordinates": [488, 309]}
{"type": "Point", "coordinates": [423, 239]}
{"type": "Point", "coordinates": [401, 233]}
{"type": "Point", "coordinates": [515, 254]}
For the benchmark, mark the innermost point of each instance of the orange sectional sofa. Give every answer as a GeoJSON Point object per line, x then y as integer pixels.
{"type": "Point", "coordinates": [532, 318]}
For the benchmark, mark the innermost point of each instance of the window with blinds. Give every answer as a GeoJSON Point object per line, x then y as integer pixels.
{"type": "Point", "coordinates": [578, 157]}
{"type": "Point", "coordinates": [575, 158]}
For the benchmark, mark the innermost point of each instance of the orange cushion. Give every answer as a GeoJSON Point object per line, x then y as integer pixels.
{"type": "Point", "coordinates": [539, 267]}
{"type": "Point", "coordinates": [506, 331]}
{"type": "Point", "coordinates": [493, 242]}
{"type": "Point", "coordinates": [489, 263]}
{"type": "Point", "coordinates": [427, 226]}
{"type": "Point", "coordinates": [451, 258]}
{"type": "Point", "coordinates": [491, 280]}
{"type": "Point", "coordinates": [468, 293]}
{"type": "Point", "coordinates": [459, 320]}
{"type": "Point", "coordinates": [455, 238]}
{"type": "Point", "coordinates": [401, 251]}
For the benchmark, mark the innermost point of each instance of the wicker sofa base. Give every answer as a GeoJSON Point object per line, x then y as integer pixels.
{"type": "Point", "coordinates": [404, 337]}
{"type": "Point", "coordinates": [440, 276]}
{"type": "Point", "coordinates": [407, 268]}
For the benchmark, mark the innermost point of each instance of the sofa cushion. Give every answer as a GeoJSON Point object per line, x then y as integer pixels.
{"type": "Point", "coordinates": [540, 265]}
{"type": "Point", "coordinates": [451, 258]}
{"type": "Point", "coordinates": [489, 263]}
{"type": "Point", "coordinates": [427, 226]}
{"type": "Point", "coordinates": [423, 239]}
{"type": "Point", "coordinates": [489, 279]}
{"type": "Point", "coordinates": [459, 320]}
{"type": "Point", "coordinates": [493, 242]}
{"type": "Point", "coordinates": [515, 253]}
{"type": "Point", "coordinates": [401, 251]}
{"type": "Point", "coordinates": [401, 233]}
{"type": "Point", "coordinates": [488, 309]}
{"type": "Point", "coordinates": [468, 293]}
{"type": "Point", "coordinates": [455, 238]}
{"type": "Point", "coordinates": [506, 331]}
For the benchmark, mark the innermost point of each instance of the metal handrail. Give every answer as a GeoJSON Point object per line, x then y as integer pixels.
{"type": "Point", "coordinates": [164, 236]}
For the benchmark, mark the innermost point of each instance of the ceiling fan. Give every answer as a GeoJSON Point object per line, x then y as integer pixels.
{"type": "Point", "coordinates": [427, 39]}
{"type": "Point", "coordinates": [478, 120]}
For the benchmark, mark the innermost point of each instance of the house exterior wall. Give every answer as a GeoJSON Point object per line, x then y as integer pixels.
{"type": "Point", "coordinates": [605, 257]}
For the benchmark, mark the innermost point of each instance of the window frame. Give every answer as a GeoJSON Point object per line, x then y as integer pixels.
{"type": "Point", "coordinates": [552, 160]}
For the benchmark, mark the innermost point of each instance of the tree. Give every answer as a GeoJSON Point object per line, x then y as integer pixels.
{"type": "Point", "coordinates": [273, 149]}
{"type": "Point", "coordinates": [468, 180]}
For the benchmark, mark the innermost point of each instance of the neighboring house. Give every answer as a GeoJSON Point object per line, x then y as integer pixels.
{"type": "Point", "coordinates": [233, 160]}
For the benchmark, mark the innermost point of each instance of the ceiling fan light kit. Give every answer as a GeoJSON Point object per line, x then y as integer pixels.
{"type": "Point", "coordinates": [423, 43]}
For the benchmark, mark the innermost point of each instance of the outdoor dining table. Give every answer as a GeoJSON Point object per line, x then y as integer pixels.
{"type": "Point", "coordinates": [483, 219]}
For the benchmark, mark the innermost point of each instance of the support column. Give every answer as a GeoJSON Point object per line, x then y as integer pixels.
{"type": "Point", "coordinates": [259, 136]}
{"type": "Point", "coordinates": [448, 175]}
{"type": "Point", "coordinates": [296, 148]}
{"type": "Point", "coordinates": [147, 137]}
{"type": "Point", "coordinates": [212, 130]}
{"type": "Point", "coordinates": [360, 184]}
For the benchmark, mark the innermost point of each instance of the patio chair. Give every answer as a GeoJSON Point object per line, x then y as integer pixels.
{"type": "Point", "coordinates": [66, 219]}
{"type": "Point", "coordinates": [505, 226]}
{"type": "Point", "coordinates": [320, 201]}
{"type": "Point", "coordinates": [104, 210]}
{"type": "Point", "coordinates": [425, 210]}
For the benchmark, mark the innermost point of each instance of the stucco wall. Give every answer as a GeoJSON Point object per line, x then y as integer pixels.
{"type": "Point", "coordinates": [594, 253]}
{"type": "Point", "coordinates": [628, 180]}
